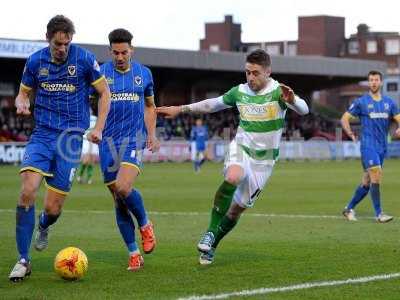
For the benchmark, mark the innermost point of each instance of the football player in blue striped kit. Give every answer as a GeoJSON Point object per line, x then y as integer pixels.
{"type": "Point", "coordinates": [130, 127]}
{"type": "Point", "coordinates": [375, 112]}
{"type": "Point", "coordinates": [60, 76]}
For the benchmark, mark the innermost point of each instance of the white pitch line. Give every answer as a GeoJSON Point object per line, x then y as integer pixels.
{"type": "Point", "coordinates": [302, 286]}
{"type": "Point", "coordinates": [192, 213]}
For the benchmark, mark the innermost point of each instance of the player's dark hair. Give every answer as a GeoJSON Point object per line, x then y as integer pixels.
{"type": "Point", "coordinates": [59, 23]}
{"type": "Point", "coordinates": [259, 57]}
{"type": "Point", "coordinates": [375, 72]}
{"type": "Point", "coordinates": [120, 35]}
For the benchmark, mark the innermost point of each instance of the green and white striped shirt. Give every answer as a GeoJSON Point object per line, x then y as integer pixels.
{"type": "Point", "coordinates": [262, 117]}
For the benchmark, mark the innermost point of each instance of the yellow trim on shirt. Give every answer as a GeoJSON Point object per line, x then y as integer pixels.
{"type": "Point", "coordinates": [25, 87]}
{"type": "Point", "coordinates": [33, 169]}
{"type": "Point", "coordinates": [150, 100]}
{"type": "Point", "coordinates": [98, 80]}
{"type": "Point", "coordinates": [123, 71]}
{"type": "Point", "coordinates": [352, 116]}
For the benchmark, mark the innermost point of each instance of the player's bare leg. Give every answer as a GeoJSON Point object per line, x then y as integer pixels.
{"type": "Point", "coordinates": [30, 185]}
{"type": "Point", "coordinates": [53, 203]}
{"type": "Point", "coordinates": [25, 218]}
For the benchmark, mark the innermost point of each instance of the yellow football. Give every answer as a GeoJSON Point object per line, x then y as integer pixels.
{"type": "Point", "coordinates": [71, 263]}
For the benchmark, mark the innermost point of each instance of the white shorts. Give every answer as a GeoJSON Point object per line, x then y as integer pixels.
{"type": "Point", "coordinates": [193, 151]}
{"type": "Point", "coordinates": [256, 175]}
{"type": "Point", "coordinates": [89, 148]}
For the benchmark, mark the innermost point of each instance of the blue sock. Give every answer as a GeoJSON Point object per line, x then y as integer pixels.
{"type": "Point", "coordinates": [376, 198]}
{"type": "Point", "coordinates": [25, 224]}
{"type": "Point", "coordinates": [45, 220]}
{"type": "Point", "coordinates": [359, 194]}
{"type": "Point", "coordinates": [195, 165]}
{"type": "Point", "coordinates": [134, 202]}
{"type": "Point", "coordinates": [126, 227]}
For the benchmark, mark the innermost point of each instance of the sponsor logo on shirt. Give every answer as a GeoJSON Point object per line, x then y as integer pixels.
{"type": "Point", "coordinates": [386, 105]}
{"type": "Point", "coordinates": [125, 97]}
{"type": "Point", "coordinates": [58, 87]}
{"type": "Point", "coordinates": [375, 115]}
{"type": "Point", "coordinates": [258, 112]}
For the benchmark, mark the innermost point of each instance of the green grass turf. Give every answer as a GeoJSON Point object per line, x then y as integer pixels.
{"type": "Point", "coordinates": [262, 251]}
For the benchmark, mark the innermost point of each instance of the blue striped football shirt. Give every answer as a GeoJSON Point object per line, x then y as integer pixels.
{"type": "Point", "coordinates": [125, 121]}
{"type": "Point", "coordinates": [62, 90]}
{"type": "Point", "coordinates": [375, 117]}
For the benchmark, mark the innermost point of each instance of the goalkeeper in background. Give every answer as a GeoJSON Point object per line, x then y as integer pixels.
{"type": "Point", "coordinates": [262, 103]}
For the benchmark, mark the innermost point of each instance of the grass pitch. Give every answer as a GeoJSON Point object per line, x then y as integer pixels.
{"type": "Point", "coordinates": [293, 235]}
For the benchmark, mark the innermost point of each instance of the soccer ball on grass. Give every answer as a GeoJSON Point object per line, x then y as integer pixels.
{"type": "Point", "coordinates": [71, 263]}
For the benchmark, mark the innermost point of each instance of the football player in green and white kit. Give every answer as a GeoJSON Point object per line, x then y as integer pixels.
{"type": "Point", "coordinates": [262, 103]}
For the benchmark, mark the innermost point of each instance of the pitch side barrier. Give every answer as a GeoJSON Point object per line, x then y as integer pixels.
{"type": "Point", "coordinates": [179, 151]}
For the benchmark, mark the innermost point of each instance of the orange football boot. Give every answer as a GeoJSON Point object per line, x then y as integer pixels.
{"type": "Point", "coordinates": [148, 238]}
{"type": "Point", "coordinates": [136, 262]}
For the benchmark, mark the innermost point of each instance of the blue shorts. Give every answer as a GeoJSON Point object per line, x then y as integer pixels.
{"type": "Point", "coordinates": [54, 154]}
{"type": "Point", "coordinates": [112, 158]}
{"type": "Point", "coordinates": [372, 158]}
{"type": "Point", "coordinates": [200, 147]}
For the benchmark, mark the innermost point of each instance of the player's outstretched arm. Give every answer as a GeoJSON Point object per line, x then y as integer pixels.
{"type": "Point", "coordinates": [102, 89]}
{"type": "Point", "coordinates": [22, 102]}
{"type": "Point", "coordinates": [169, 112]}
{"type": "Point", "coordinates": [345, 121]}
{"type": "Point", "coordinates": [206, 106]}
{"type": "Point", "coordinates": [292, 101]}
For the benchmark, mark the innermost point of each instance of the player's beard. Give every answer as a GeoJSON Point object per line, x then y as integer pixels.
{"type": "Point", "coordinates": [257, 87]}
{"type": "Point", "coordinates": [374, 91]}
